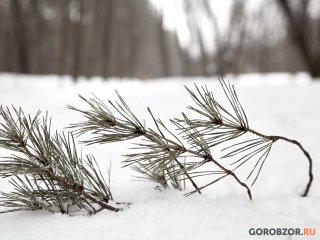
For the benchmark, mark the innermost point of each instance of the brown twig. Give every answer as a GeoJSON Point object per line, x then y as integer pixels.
{"type": "Point", "coordinates": [229, 172]}
{"type": "Point", "coordinates": [78, 189]}
{"type": "Point", "coordinates": [274, 139]}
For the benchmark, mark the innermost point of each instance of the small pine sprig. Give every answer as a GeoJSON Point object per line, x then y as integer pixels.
{"type": "Point", "coordinates": [219, 125]}
{"type": "Point", "coordinates": [157, 151]}
{"type": "Point", "coordinates": [46, 170]}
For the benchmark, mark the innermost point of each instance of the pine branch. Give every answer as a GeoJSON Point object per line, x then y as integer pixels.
{"type": "Point", "coordinates": [157, 156]}
{"type": "Point", "coordinates": [156, 162]}
{"type": "Point", "coordinates": [54, 176]}
{"type": "Point", "coordinates": [220, 126]}
{"type": "Point", "coordinates": [47, 173]}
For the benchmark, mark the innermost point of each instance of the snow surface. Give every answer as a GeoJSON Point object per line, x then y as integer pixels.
{"type": "Point", "coordinates": [278, 104]}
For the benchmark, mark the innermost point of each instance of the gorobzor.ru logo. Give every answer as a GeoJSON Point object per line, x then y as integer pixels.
{"type": "Point", "coordinates": [282, 231]}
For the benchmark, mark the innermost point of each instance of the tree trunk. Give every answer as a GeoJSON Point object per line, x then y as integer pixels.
{"type": "Point", "coordinates": [300, 31]}
{"type": "Point", "coordinates": [20, 36]}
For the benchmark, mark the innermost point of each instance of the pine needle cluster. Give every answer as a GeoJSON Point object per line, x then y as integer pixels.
{"type": "Point", "coordinates": [46, 170]}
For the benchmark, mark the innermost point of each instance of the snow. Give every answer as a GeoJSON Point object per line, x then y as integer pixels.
{"type": "Point", "coordinates": [277, 104]}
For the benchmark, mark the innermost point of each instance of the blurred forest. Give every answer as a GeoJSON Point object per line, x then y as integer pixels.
{"type": "Point", "coordinates": [133, 38]}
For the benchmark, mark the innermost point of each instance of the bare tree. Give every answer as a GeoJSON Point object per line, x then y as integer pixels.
{"type": "Point", "coordinates": [163, 50]}
{"type": "Point", "coordinates": [303, 32]}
